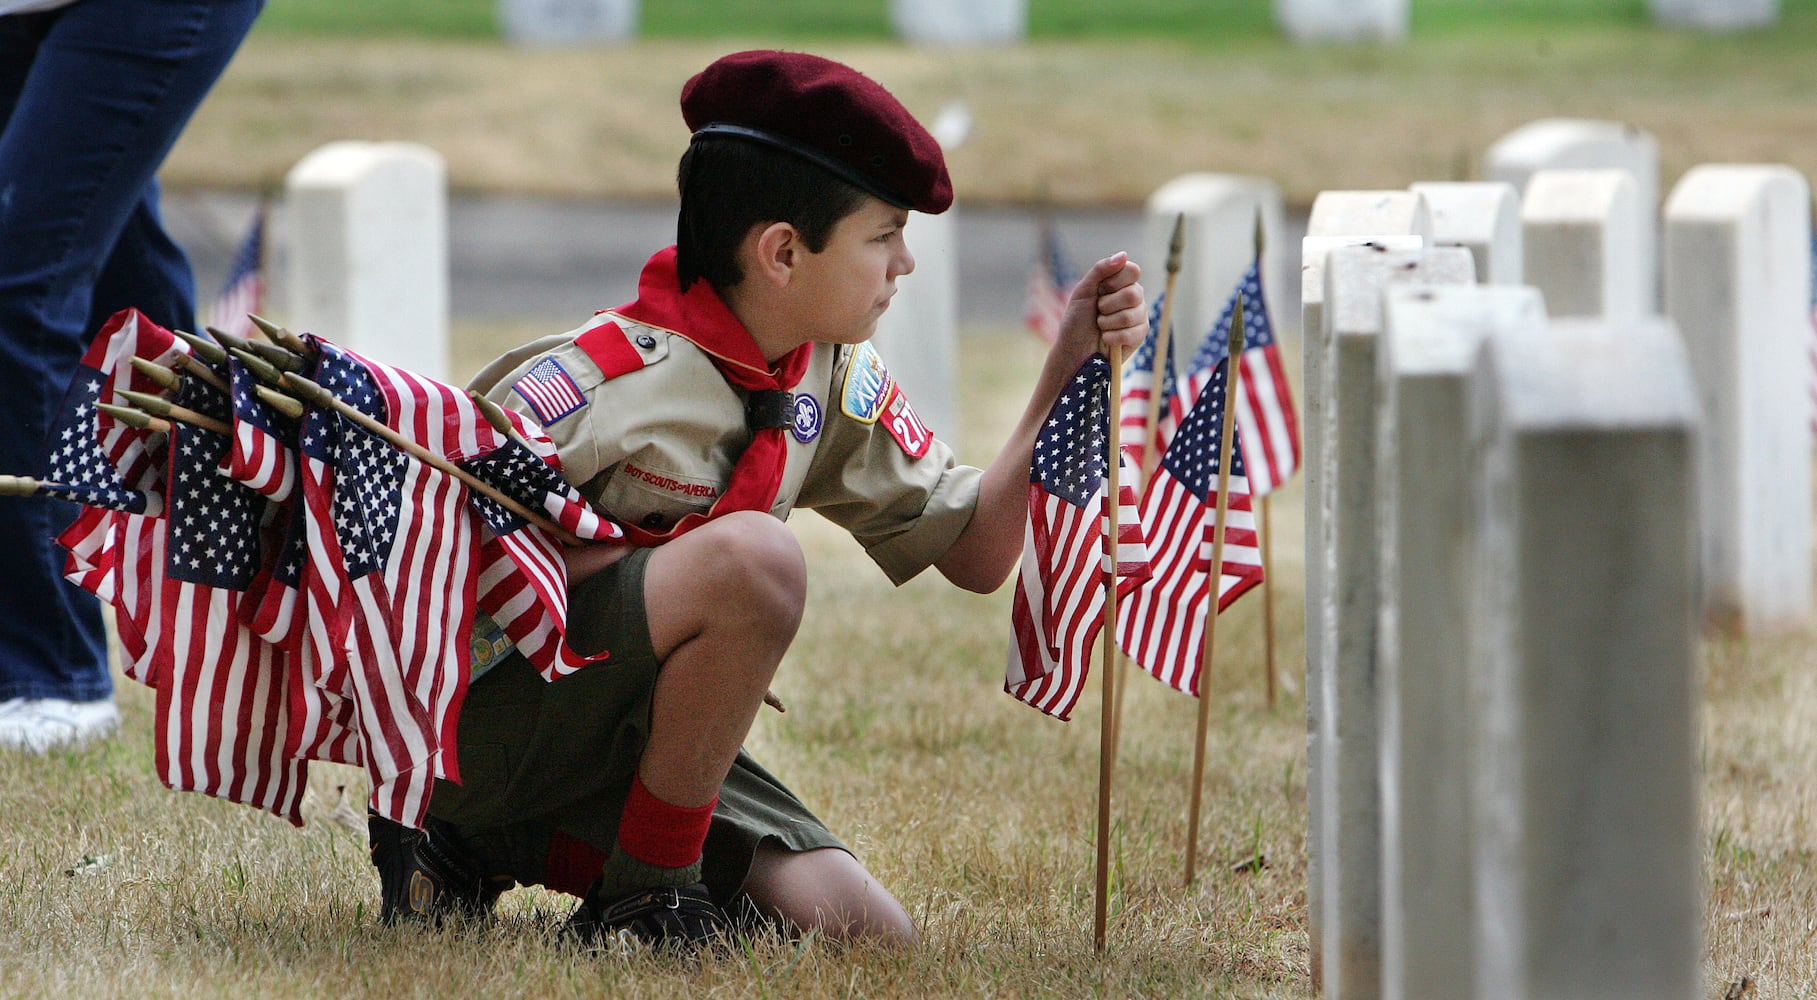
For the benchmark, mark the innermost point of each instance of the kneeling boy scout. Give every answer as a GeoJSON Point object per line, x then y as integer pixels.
{"type": "Point", "coordinates": [738, 386]}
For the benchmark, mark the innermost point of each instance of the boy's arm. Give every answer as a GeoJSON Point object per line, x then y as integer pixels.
{"type": "Point", "coordinates": [1105, 310]}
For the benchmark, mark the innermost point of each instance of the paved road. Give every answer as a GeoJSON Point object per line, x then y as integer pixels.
{"type": "Point", "coordinates": [555, 261]}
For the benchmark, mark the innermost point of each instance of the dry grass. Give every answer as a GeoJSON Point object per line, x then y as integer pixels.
{"type": "Point", "coordinates": [978, 812]}
{"type": "Point", "coordinates": [1074, 122]}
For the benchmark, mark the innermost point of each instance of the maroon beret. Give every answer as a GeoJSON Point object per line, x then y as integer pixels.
{"type": "Point", "coordinates": [825, 112]}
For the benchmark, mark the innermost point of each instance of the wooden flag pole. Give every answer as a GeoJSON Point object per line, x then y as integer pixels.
{"type": "Point", "coordinates": [314, 394]}
{"type": "Point", "coordinates": [1217, 580]}
{"type": "Point", "coordinates": [1107, 636]}
{"type": "Point", "coordinates": [1150, 454]}
{"type": "Point", "coordinates": [1267, 534]}
{"type": "Point", "coordinates": [1267, 606]}
{"type": "Point", "coordinates": [1163, 337]}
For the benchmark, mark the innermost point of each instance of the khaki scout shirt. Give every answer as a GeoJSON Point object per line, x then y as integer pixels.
{"type": "Point", "coordinates": [654, 444]}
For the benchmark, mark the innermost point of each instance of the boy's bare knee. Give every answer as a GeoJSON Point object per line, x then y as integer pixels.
{"type": "Point", "coordinates": [828, 891]}
{"type": "Point", "coordinates": [757, 570]}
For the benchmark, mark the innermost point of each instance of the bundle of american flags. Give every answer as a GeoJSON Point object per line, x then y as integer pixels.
{"type": "Point", "coordinates": [293, 587]}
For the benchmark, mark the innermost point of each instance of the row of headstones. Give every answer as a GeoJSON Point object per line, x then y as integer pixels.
{"type": "Point", "coordinates": [1387, 20]}
{"type": "Point", "coordinates": [1507, 569]}
{"type": "Point", "coordinates": [961, 22]}
{"type": "Point", "coordinates": [925, 22]}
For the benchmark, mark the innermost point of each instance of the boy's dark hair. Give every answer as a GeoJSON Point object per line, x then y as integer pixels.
{"type": "Point", "coordinates": [729, 184]}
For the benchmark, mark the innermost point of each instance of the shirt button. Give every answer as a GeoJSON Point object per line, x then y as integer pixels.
{"type": "Point", "coordinates": [646, 341]}
{"type": "Point", "coordinates": [653, 520]}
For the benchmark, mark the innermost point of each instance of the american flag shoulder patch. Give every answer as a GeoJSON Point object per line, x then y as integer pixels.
{"type": "Point", "coordinates": [550, 391]}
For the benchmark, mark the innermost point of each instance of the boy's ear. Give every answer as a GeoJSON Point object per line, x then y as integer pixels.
{"type": "Point", "coordinates": [776, 246]}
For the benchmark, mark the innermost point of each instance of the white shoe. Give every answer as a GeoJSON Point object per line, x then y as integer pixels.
{"type": "Point", "coordinates": [37, 725]}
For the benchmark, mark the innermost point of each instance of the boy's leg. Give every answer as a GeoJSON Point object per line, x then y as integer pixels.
{"type": "Point", "coordinates": [826, 890]}
{"type": "Point", "coordinates": [723, 603]}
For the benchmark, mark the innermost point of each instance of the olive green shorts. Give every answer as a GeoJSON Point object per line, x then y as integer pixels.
{"type": "Point", "coordinates": [539, 756]}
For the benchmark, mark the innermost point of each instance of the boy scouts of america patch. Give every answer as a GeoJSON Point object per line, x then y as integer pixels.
{"type": "Point", "coordinates": [870, 395]}
{"type": "Point", "coordinates": [550, 391]}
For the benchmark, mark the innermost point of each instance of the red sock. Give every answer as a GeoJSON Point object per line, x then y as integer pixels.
{"type": "Point", "coordinates": [572, 864]}
{"type": "Point", "coordinates": [658, 833]}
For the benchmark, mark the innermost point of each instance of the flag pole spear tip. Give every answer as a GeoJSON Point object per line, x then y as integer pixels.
{"type": "Point", "coordinates": [166, 377]}
{"type": "Point", "coordinates": [260, 368]}
{"type": "Point", "coordinates": [279, 402]}
{"type": "Point", "coordinates": [494, 414]}
{"type": "Point", "coordinates": [1176, 244]}
{"type": "Point", "coordinates": [266, 327]}
{"type": "Point", "coordinates": [1261, 237]}
{"type": "Point", "coordinates": [157, 406]}
{"type": "Point", "coordinates": [280, 336]}
{"type": "Point", "coordinates": [204, 348]}
{"type": "Point", "coordinates": [133, 418]}
{"type": "Point", "coordinates": [224, 338]}
{"type": "Point", "coordinates": [277, 356]}
{"type": "Point", "coordinates": [18, 486]}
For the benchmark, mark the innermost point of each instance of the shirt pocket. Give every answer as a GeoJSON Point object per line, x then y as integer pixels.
{"type": "Point", "coordinates": [653, 498]}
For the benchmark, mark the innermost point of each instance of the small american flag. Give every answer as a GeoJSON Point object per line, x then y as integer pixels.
{"type": "Point", "coordinates": [1162, 623]}
{"type": "Point", "coordinates": [1058, 607]}
{"type": "Point", "coordinates": [243, 290]}
{"type": "Point", "coordinates": [106, 464]}
{"type": "Point", "coordinates": [523, 579]}
{"type": "Point", "coordinates": [550, 391]}
{"type": "Point", "coordinates": [1266, 423]}
{"type": "Point", "coordinates": [392, 583]}
{"type": "Point", "coordinates": [1050, 283]}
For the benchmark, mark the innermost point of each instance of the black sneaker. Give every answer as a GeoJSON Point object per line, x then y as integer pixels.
{"type": "Point", "coordinates": [425, 876]}
{"type": "Point", "coordinates": [682, 919]}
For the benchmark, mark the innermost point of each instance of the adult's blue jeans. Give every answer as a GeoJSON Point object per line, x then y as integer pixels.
{"type": "Point", "coordinates": [92, 97]}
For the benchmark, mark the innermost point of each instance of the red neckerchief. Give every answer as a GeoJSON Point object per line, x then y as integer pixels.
{"type": "Point", "coordinates": [701, 317]}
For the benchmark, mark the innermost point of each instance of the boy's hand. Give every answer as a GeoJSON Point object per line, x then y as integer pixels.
{"type": "Point", "coordinates": [1107, 308]}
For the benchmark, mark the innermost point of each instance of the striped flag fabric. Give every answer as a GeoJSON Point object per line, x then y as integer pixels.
{"type": "Point", "coordinates": [1058, 606]}
{"type": "Point", "coordinates": [263, 455]}
{"type": "Point", "coordinates": [243, 290]}
{"type": "Point", "coordinates": [222, 711]}
{"type": "Point", "coordinates": [1050, 283]}
{"type": "Point", "coordinates": [1138, 393]}
{"type": "Point", "coordinates": [106, 463]}
{"type": "Point", "coordinates": [523, 579]}
{"type": "Point", "coordinates": [1266, 422]}
{"type": "Point", "coordinates": [392, 546]}
{"type": "Point", "coordinates": [1161, 625]}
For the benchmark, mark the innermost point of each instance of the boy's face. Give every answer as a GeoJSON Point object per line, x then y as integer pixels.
{"type": "Point", "coordinates": [845, 288]}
